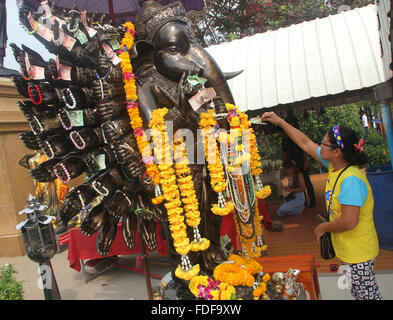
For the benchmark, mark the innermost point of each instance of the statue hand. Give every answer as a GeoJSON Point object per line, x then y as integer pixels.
{"type": "Point", "coordinates": [44, 91]}
{"type": "Point", "coordinates": [87, 138]}
{"type": "Point", "coordinates": [126, 149]}
{"type": "Point", "coordinates": [44, 171]}
{"type": "Point", "coordinates": [74, 201]}
{"type": "Point", "coordinates": [56, 146]}
{"type": "Point", "coordinates": [94, 220]}
{"type": "Point", "coordinates": [114, 130]}
{"type": "Point", "coordinates": [44, 123]}
{"type": "Point", "coordinates": [128, 228]}
{"type": "Point", "coordinates": [185, 92]}
{"type": "Point", "coordinates": [118, 204]}
{"type": "Point", "coordinates": [105, 183]}
{"type": "Point", "coordinates": [147, 184]}
{"type": "Point", "coordinates": [21, 85]}
{"type": "Point", "coordinates": [149, 233]}
{"type": "Point", "coordinates": [76, 97]}
{"type": "Point", "coordinates": [110, 110]}
{"type": "Point", "coordinates": [29, 139]}
{"type": "Point", "coordinates": [106, 235]}
{"type": "Point", "coordinates": [69, 168]}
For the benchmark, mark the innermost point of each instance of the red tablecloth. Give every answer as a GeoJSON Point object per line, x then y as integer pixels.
{"type": "Point", "coordinates": [262, 208]}
{"type": "Point", "coordinates": [83, 247]}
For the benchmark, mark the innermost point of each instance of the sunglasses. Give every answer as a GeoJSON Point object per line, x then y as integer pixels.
{"type": "Point", "coordinates": [330, 145]}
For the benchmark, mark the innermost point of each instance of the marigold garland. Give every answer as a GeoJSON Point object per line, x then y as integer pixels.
{"type": "Point", "coordinates": [206, 288]}
{"type": "Point", "coordinates": [133, 110]}
{"type": "Point", "coordinates": [172, 196]}
{"type": "Point", "coordinates": [165, 175]}
{"type": "Point", "coordinates": [233, 274]}
{"type": "Point", "coordinates": [261, 192]}
{"type": "Point", "coordinates": [252, 266]}
{"type": "Point", "coordinates": [240, 271]}
{"type": "Point", "coordinates": [236, 271]}
{"type": "Point", "coordinates": [242, 133]}
{"type": "Point", "coordinates": [216, 169]}
{"type": "Point", "coordinates": [188, 197]}
{"type": "Point", "coordinates": [239, 136]}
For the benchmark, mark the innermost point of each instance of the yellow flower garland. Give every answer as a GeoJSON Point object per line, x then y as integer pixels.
{"type": "Point", "coordinates": [224, 291]}
{"type": "Point", "coordinates": [165, 172]}
{"type": "Point", "coordinates": [236, 271]}
{"type": "Point", "coordinates": [239, 123]}
{"type": "Point", "coordinates": [189, 199]}
{"type": "Point", "coordinates": [195, 282]}
{"type": "Point", "coordinates": [132, 107]}
{"type": "Point", "coordinates": [233, 274]}
{"type": "Point", "coordinates": [172, 196]}
{"type": "Point", "coordinates": [252, 266]}
{"type": "Point", "coordinates": [215, 167]}
{"type": "Point", "coordinates": [240, 271]}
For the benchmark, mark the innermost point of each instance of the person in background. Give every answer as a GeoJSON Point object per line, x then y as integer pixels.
{"type": "Point", "coordinates": [291, 152]}
{"type": "Point", "coordinates": [365, 123]}
{"type": "Point", "coordinates": [378, 124]}
{"type": "Point", "coordinates": [351, 221]}
{"type": "Point", "coordinates": [294, 192]}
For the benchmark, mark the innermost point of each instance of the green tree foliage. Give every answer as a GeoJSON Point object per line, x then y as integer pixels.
{"type": "Point", "coordinates": [225, 20]}
{"type": "Point", "coordinates": [10, 288]}
{"type": "Point", "coordinates": [316, 124]}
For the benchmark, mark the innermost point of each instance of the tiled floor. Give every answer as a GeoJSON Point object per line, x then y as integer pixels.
{"type": "Point", "coordinates": [121, 284]}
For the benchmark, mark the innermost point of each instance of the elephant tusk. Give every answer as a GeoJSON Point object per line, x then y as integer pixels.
{"type": "Point", "coordinates": [231, 75]}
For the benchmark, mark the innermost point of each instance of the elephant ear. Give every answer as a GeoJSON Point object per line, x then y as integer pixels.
{"type": "Point", "coordinates": [142, 51]}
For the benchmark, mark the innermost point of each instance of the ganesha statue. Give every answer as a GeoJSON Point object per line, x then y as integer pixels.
{"type": "Point", "coordinates": [147, 115]}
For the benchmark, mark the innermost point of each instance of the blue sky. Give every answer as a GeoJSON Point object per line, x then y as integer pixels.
{"type": "Point", "coordinates": [19, 36]}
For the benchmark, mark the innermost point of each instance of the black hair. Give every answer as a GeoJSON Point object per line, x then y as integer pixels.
{"type": "Point", "coordinates": [292, 165]}
{"type": "Point", "coordinates": [349, 138]}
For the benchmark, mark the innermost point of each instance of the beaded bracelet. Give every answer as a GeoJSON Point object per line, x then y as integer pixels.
{"type": "Point", "coordinates": [62, 121]}
{"type": "Point", "coordinates": [65, 170]}
{"type": "Point", "coordinates": [46, 148]}
{"type": "Point", "coordinates": [77, 140]}
{"type": "Point", "coordinates": [96, 185]}
{"type": "Point", "coordinates": [40, 127]}
{"type": "Point", "coordinates": [37, 89]}
{"type": "Point", "coordinates": [63, 96]}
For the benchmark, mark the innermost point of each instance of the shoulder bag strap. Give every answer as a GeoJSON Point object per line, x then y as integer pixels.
{"type": "Point", "coordinates": [331, 195]}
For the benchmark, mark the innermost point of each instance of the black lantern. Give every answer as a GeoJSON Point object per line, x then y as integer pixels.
{"type": "Point", "coordinates": [40, 243]}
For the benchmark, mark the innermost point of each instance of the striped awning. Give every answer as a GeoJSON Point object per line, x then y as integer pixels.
{"type": "Point", "coordinates": [324, 57]}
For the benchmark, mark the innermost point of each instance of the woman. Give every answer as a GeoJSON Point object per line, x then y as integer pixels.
{"type": "Point", "coordinates": [294, 192]}
{"type": "Point", "coordinates": [351, 211]}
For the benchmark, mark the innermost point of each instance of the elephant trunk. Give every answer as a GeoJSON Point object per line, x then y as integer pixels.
{"type": "Point", "coordinates": [212, 72]}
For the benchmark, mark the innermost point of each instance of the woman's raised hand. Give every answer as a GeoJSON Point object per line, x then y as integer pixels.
{"type": "Point", "coordinates": [271, 117]}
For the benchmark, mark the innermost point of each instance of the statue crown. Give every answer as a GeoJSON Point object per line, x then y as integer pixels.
{"type": "Point", "coordinates": [153, 16]}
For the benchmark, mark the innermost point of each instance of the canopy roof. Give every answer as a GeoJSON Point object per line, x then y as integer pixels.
{"type": "Point", "coordinates": [123, 10]}
{"type": "Point", "coordinates": [329, 61]}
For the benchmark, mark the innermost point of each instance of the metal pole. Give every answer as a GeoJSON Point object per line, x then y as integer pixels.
{"type": "Point", "coordinates": [145, 261]}
{"type": "Point", "coordinates": [51, 290]}
{"type": "Point", "coordinates": [387, 123]}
